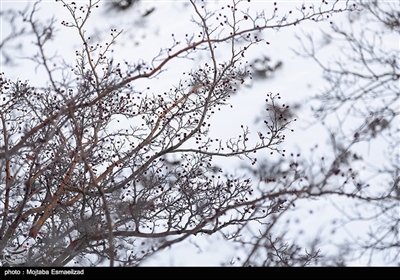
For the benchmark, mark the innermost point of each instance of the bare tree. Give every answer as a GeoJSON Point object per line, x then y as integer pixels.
{"type": "Point", "coordinates": [359, 108]}
{"type": "Point", "coordinates": [10, 43]}
{"type": "Point", "coordinates": [89, 191]}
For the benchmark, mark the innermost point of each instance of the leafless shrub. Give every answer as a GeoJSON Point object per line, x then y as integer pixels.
{"type": "Point", "coordinates": [87, 190]}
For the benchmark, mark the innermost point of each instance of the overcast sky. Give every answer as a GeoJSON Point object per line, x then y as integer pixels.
{"type": "Point", "coordinates": [298, 79]}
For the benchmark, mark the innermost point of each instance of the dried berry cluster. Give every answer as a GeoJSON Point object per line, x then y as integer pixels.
{"type": "Point", "coordinates": [91, 164]}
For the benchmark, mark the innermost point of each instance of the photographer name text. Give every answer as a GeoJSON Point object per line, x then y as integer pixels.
{"type": "Point", "coordinates": [40, 272]}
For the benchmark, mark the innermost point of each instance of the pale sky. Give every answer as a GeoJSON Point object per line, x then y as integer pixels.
{"type": "Point", "coordinates": [298, 79]}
